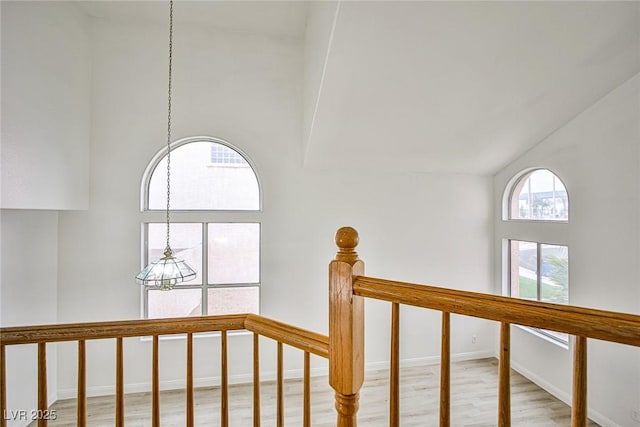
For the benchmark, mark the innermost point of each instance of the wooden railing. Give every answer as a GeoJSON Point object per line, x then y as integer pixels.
{"type": "Point", "coordinates": [308, 342]}
{"type": "Point", "coordinates": [349, 286]}
{"type": "Point", "coordinates": [344, 347]}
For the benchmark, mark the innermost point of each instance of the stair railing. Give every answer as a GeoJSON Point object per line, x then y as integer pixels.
{"type": "Point", "coordinates": [284, 334]}
{"type": "Point", "coordinates": [344, 347]}
{"type": "Point", "coordinates": [348, 286]}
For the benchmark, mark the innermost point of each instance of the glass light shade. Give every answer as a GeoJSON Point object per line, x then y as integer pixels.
{"type": "Point", "coordinates": [165, 273]}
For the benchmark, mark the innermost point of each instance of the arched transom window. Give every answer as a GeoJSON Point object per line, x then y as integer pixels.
{"type": "Point", "coordinates": [215, 227]}
{"type": "Point", "coordinates": [539, 195]}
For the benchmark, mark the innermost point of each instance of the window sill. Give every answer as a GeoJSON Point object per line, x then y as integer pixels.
{"type": "Point", "coordinates": [545, 336]}
{"type": "Point", "coordinates": [228, 165]}
{"type": "Point", "coordinates": [536, 221]}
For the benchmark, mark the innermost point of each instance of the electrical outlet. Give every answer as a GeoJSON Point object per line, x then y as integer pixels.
{"type": "Point", "coordinates": [474, 339]}
{"type": "Point", "coordinates": [635, 414]}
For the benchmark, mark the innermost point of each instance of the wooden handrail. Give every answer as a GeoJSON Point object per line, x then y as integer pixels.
{"type": "Point", "coordinates": [294, 336]}
{"type": "Point", "coordinates": [291, 335]}
{"type": "Point", "coordinates": [122, 328]}
{"type": "Point", "coordinates": [590, 323]}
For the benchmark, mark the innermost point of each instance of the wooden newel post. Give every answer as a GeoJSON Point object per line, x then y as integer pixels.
{"type": "Point", "coordinates": [346, 328]}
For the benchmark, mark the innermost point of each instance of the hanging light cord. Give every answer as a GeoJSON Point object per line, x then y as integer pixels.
{"type": "Point", "coordinates": [168, 248]}
{"type": "Point", "coordinates": [168, 271]}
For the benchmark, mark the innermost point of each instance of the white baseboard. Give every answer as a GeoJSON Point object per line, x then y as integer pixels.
{"type": "Point", "coordinates": [431, 360]}
{"type": "Point", "coordinates": [71, 393]}
{"type": "Point", "coordinates": [560, 394]}
{"type": "Point", "coordinates": [181, 383]}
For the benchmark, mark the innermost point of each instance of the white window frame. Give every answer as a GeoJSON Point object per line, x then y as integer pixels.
{"type": "Point", "coordinates": [153, 163]}
{"type": "Point", "coordinates": [196, 216]}
{"type": "Point", "coordinates": [509, 193]}
{"type": "Point", "coordinates": [539, 231]}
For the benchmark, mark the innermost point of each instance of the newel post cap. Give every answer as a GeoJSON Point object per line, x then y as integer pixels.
{"type": "Point", "coordinates": [347, 240]}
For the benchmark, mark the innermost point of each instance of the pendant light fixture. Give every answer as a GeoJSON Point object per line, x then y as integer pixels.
{"type": "Point", "coordinates": [168, 271]}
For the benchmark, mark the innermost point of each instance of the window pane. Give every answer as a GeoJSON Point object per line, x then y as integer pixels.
{"type": "Point", "coordinates": [234, 253]}
{"type": "Point", "coordinates": [539, 195]}
{"type": "Point", "coordinates": [221, 155]}
{"type": "Point", "coordinates": [243, 299]}
{"type": "Point", "coordinates": [186, 243]}
{"type": "Point", "coordinates": [523, 271]}
{"type": "Point", "coordinates": [174, 303]}
{"type": "Point", "coordinates": [555, 273]}
{"type": "Point", "coordinates": [205, 176]}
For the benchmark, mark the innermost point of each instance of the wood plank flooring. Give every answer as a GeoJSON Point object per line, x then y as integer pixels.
{"type": "Point", "coordinates": [473, 389]}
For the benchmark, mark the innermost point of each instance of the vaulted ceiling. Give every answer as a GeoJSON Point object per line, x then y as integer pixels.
{"type": "Point", "coordinates": [464, 87]}
{"type": "Point", "coordinates": [460, 87]}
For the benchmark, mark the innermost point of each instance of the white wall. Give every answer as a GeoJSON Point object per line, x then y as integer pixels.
{"type": "Point", "coordinates": [45, 106]}
{"type": "Point", "coordinates": [247, 89]}
{"type": "Point", "coordinates": [597, 156]}
{"type": "Point", "coordinates": [317, 45]}
{"type": "Point", "coordinates": [29, 297]}
{"type": "Point", "coordinates": [45, 166]}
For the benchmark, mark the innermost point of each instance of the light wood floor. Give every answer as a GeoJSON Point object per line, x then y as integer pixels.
{"type": "Point", "coordinates": [473, 388]}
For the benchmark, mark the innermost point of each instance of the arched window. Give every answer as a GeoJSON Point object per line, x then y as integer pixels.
{"type": "Point", "coordinates": [539, 195]}
{"type": "Point", "coordinates": [215, 227]}
{"type": "Point", "coordinates": [536, 263]}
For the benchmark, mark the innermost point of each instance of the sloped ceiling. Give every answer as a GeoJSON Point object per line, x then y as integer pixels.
{"type": "Point", "coordinates": [462, 87]}
{"type": "Point", "coordinates": [420, 86]}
